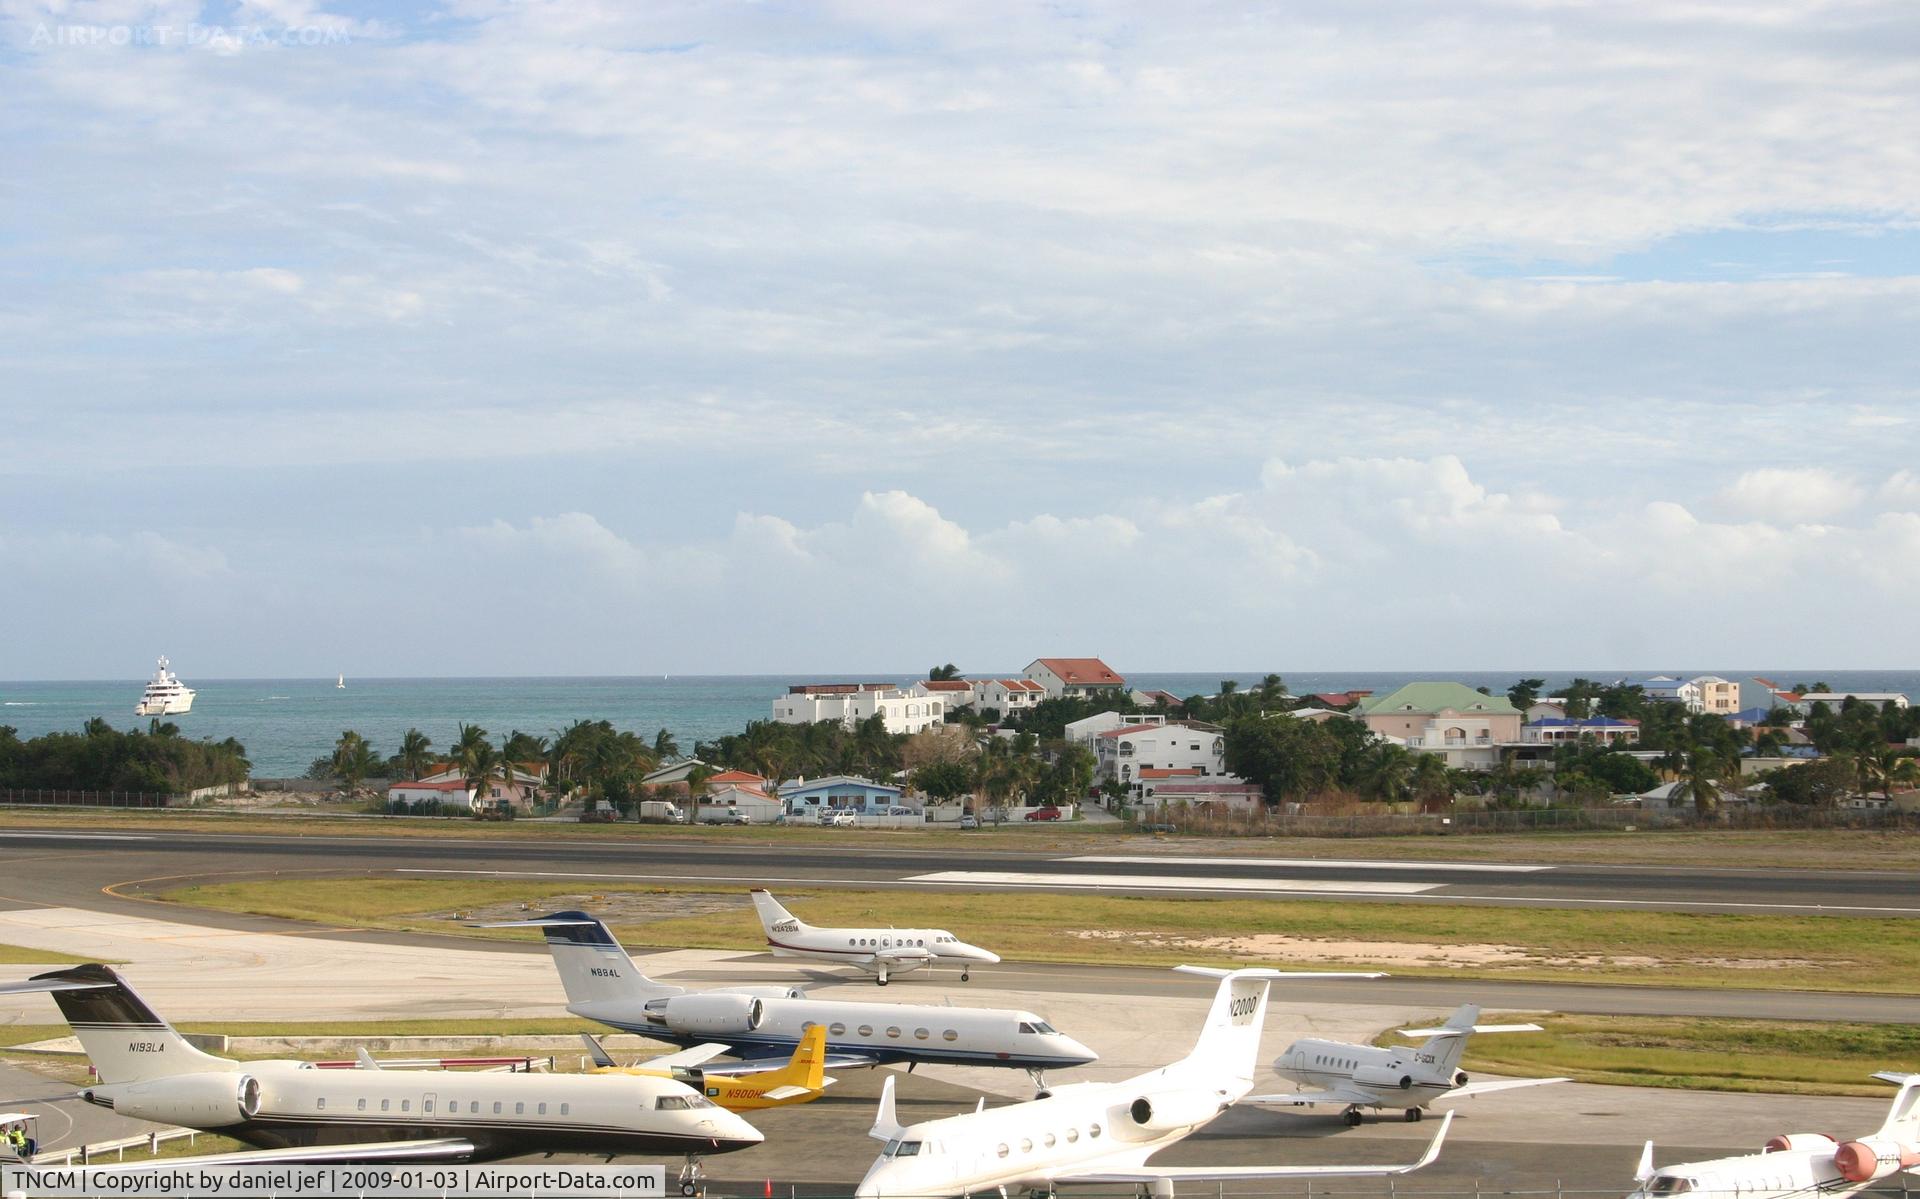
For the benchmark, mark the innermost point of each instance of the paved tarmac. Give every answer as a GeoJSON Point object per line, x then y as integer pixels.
{"type": "Point", "coordinates": [61, 866]}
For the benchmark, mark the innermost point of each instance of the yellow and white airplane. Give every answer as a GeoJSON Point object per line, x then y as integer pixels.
{"type": "Point", "coordinates": [801, 1080]}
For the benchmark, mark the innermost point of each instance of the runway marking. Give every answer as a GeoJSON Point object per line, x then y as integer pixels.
{"type": "Point", "coordinates": [1161, 882]}
{"type": "Point", "coordinates": [54, 836]}
{"type": "Point", "coordinates": [1315, 863]}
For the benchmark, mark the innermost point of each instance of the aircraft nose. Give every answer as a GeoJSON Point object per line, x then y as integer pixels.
{"type": "Point", "coordinates": [1077, 1050]}
{"type": "Point", "coordinates": [983, 955]}
{"type": "Point", "coordinates": [731, 1132]}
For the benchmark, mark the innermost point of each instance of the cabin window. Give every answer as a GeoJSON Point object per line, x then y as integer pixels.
{"type": "Point", "coordinates": [894, 1033]}
{"type": "Point", "coordinates": [320, 1104]}
{"type": "Point", "coordinates": [1073, 1134]}
{"type": "Point", "coordinates": [406, 1105]}
{"type": "Point", "coordinates": [496, 1107]}
{"type": "Point", "coordinates": [866, 1030]}
{"type": "Point", "coordinates": [838, 1029]}
{"type": "Point", "coordinates": [385, 1104]}
{"type": "Point", "coordinates": [519, 1109]}
{"type": "Point", "coordinates": [540, 1110]}
{"type": "Point", "coordinates": [1026, 1144]}
{"type": "Point", "coordinates": [565, 1108]}
{"type": "Point", "coordinates": [1047, 1140]}
{"type": "Point", "coordinates": [950, 1035]}
{"type": "Point", "coordinates": [474, 1107]}
{"type": "Point", "coordinates": [1093, 1132]}
{"type": "Point", "coordinates": [359, 1105]}
{"type": "Point", "coordinates": [920, 1034]}
{"type": "Point", "coordinates": [850, 940]}
{"type": "Point", "coordinates": [1001, 1151]}
{"type": "Point", "coordinates": [806, 1026]}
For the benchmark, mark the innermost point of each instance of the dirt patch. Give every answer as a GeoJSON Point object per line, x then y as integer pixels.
{"type": "Point", "coordinates": [1274, 947]}
{"type": "Point", "coordinates": [612, 907]}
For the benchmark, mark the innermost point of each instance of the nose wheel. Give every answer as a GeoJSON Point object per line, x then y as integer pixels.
{"type": "Point", "coordinates": [965, 975]}
{"type": "Point", "coordinates": [880, 979]}
{"type": "Point", "coordinates": [693, 1177]}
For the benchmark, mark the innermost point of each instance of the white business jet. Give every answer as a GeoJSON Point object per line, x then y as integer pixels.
{"type": "Point", "coordinates": [294, 1112]}
{"type": "Point", "coordinates": [1102, 1132]}
{"type": "Point", "coordinates": [1800, 1164]}
{"type": "Point", "coordinates": [1401, 1076]}
{"type": "Point", "coordinates": [881, 952]}
{"type": "Point", "coordinates": [758, 1023]}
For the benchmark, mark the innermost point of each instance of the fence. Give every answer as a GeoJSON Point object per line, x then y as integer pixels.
{"type": "Point", "coordinates": [1364, 823]}
{"type": "Point", "coordinates": [53, 797]}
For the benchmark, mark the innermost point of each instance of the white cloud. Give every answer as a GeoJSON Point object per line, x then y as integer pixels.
{"type": "Point", "coordinates": [1793, 495]}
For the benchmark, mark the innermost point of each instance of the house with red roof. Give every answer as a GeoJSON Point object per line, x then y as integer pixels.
{"type": "Point", "coordinates": [1074, 676]}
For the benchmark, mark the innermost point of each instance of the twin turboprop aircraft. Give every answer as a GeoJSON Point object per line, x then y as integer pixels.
{"type": "Point", "coordinates": [1102, 1132]}
{"type": "Point", "coordinates": [1800, 1164]}
{"type": "Point", "coordinates": [603, 984]}
{"type": "Point", "coordinates": [881, 952]}
{"type": "Point", "coordinates": [295, 1112]}
{"type": "Point", "coordinates": [1402, 1076]}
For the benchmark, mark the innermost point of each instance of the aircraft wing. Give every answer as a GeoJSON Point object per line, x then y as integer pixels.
{"type": "Point", "coordinates": [1508, 1084]}
{"type": "Point", "coordinates": [1344, 1096]}
{"type": "Point", "coordinates": [842, 1061]}
{"type": "Point", "coordinates": [1147, 1175]}
{"type": "Point", "coordinates": [438, 1149]}
{"type": "Point", "coordinates": [687, 1058]}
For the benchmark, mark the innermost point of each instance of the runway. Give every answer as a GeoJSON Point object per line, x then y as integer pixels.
{"type": "Point", "coordinates": [62, 866]}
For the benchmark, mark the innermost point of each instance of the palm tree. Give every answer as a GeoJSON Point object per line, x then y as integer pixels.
{"type": "Point", "coordinates": [415, 753]}
{"type": "Point", "coordinates": [1430, 781]}
{"type": "Point", "coordinates": [664, 746]}
{"type": "Point", "coordinates": [1387, 772]}
{"type": "Point", "coordinates": [941, 673]}
{"type": "Point", "coordinates": [476, 757]}
{"type": "Point", "coordinates": [353, 760]}
{"type": "Point", "coordinates": [1273, 691]}
{"type": "Point", "coordinates": [1700, 779]}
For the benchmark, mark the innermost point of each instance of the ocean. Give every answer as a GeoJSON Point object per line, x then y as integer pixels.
{"type": "Point", "coordinates": [286, 723]}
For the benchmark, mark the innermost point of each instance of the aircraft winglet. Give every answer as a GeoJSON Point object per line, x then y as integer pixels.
{"type": "Point", "coordinates": [886, 1124]}
{"type": "Point", "coordinates": [1645, 1170]}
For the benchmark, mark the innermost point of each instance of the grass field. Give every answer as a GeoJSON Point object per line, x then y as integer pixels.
{"type": "Point", "coordinates": [1701, 1055]}
{"type": "Point", "coordinates": [1830, 849]}
{"type": "Point", "coordinates": [20, 955]}
{"type": "Point", "coordinates": [1647, 948]}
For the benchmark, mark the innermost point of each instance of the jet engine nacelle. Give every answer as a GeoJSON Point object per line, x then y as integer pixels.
{"type": "Point", "coordinates": [210, 1100]}
{"type": "Point", "coordinates": [1167, 1112]}
{"type": "Point", "coordinates": [1874, 1157]}
{"type": "Point", "coordinates": [713, 1014]}
{"type": "Point", "coordinates": [1788, 1141]}
{"type": "Point", "coordinates": [1459, 1078]}
{"type": "Point", "coordinates": [1375, 1076]}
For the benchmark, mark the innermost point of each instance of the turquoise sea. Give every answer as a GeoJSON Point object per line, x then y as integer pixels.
{"type": "Point", "coordinates": [286, 723]}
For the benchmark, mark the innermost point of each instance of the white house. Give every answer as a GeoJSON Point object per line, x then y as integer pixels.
{"type": "Point", "coordinates": [901, 708]}
{"type": "Point", "coordinates": [1006, 696]}
{"type": "Point", "coordinates": [451, 792]}
{"type": "Point", "coordinates": [955, 693]}
{"type": "Point", "coordinates": [1702, 693]}
{"type": "Point", "coordinates": [1084, 730]}
{"type": "Point", "coordinates": [519, 784]}
{"type": "Point", "coordinates": [1835, 700]}
{"type": "Point", "coordinates": [1123, 753]}
{"type": "Point", "coordinates": [1222, 794]}
{"type": "Point", "coordinates": [1074, 676]}
{"type": "Point", "coordinates": [755, 804]}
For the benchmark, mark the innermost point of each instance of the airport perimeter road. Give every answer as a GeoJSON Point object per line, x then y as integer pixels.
{"type": "Point", "coordinates": [62, 866]}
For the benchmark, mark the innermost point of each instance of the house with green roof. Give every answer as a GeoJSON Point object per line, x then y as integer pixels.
{"type": "Point", "coordinates": [1453, 720]}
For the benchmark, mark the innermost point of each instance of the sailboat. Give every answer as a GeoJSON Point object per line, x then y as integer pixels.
{"type": "Point", "coordinates": [340, 684]}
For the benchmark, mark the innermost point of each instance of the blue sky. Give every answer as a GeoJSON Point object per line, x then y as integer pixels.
{"type": "Point", "coordinates": [477, 338]}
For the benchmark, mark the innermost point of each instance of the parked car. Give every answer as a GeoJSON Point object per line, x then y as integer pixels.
{"type": "Point", "coordinates": [1044, 814]}
{"type": "Point", "coordinates": [967, 821]}
{"type": "Point", "coordinates": [838, 818]}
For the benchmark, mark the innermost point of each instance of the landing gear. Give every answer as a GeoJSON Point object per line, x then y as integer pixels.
{"type": "Point", "coordinates": [1353, 1117]}
{"type": "Point", "coordinates": [880, 979]}
{"type": "Point", "coordinates": [965, 976]}
{"type": "Point", "coordinates": [1039, 1076]}
{"type": "Point", "coordinates": [693, 1178]}
{"type": "Point", "coordinates": [1414, 1114]}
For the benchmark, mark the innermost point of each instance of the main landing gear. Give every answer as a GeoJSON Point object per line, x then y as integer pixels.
{"type": "Point", "coordinates": [693, 1177]}
{"type": "Point", "coordinates": [1353, 1117]}
{"type": "Point", "coordinates": [1414, 1114]}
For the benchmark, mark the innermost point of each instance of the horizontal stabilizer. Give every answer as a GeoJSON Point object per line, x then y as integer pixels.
{"type": "Point", "coordinates": [787, 1093]}
{"type": "Point", "coordinates": [36, 985]}
{"type": "Point", "coordinates": [1310, 1099]}
{"type": "Point", "coordinates": [1461, 1032]}
{"type": "Point", "coordinates": [365, 1059]}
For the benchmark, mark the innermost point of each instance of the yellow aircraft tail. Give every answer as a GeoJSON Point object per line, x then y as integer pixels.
{"type": "Point", "coordinates": [807, 1068]}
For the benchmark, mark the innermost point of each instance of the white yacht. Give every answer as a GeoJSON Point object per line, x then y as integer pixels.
{"type": "Point", "coordinates": [165, 696]}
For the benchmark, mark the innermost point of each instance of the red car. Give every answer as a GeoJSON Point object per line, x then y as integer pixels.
{"type": "Point", "coordinates": [1044, 814]}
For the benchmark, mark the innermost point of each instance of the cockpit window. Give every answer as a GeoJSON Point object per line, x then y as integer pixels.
{"type": "Point", "coordinates": [1040, 1027]}
{"type": "Point", "coordinates": [1666, 1184]}
{"type": "Point", "coordinates": [898, 1148]}
{"type": "Point", "coordinates": [676, 1103]}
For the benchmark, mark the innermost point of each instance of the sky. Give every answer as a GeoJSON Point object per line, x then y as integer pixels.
{"type": "Point", "coordinates": [592, 337]}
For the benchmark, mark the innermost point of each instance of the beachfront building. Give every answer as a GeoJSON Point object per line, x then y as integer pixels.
{"type": "Point", "coordinates": [1073, 676]}
{"type": "Point", "coordinates": [1009, 697]}
{"type": "Point", "coordinates": [672, 772]}
{"type": "Point", "coordinates": [955, 693]}
{"type": "Point", "coordinates": [1452, 720]}
{"type": "Point", "coordinates": [452, 793]}
{"type": "Point", "coordinates": [1835, 700]}
{"type": "Point", "coordinates": [901, 708]}
{"type": "Point", "coordinates": [1704, 693]}
{"type": "Point", "coordinates": [1156, 699]}
{"type": "Point", "coordinates": [840, 792]}
{"type": "Point", "coordinates": [742, 797]}
{"type": "Point", "coordinates": [519, 784]}
{"type": "Point", "coordinates": [1564, 730]}
{"type": "Point", "coordinates": [1124, 753]}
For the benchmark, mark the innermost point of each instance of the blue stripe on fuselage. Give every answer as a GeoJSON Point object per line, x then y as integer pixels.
{"type": "Point", "coordinates": [770, 1047]}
